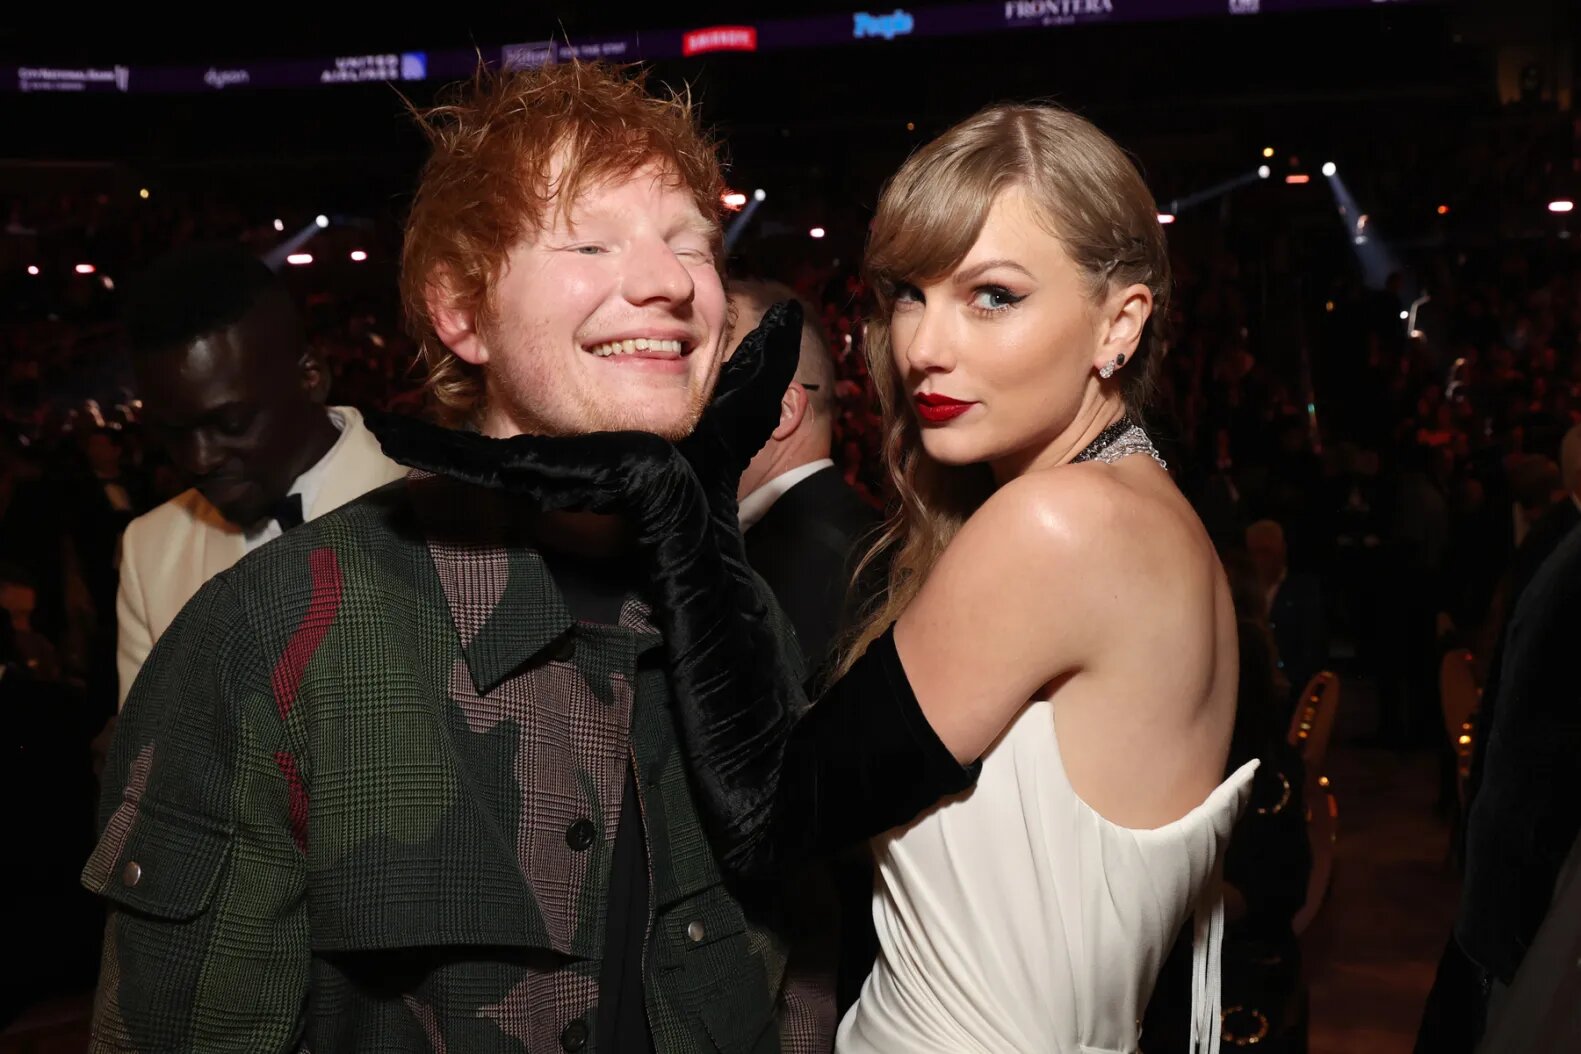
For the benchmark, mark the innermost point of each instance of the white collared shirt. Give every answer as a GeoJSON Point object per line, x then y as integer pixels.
{"type": "Point", "coordinates": [756, 505]}
{"type": "Point", "coordinates": [306, 485]}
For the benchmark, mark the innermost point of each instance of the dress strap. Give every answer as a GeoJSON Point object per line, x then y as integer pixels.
{"type": "Point", "coordinates": [1207, 966]}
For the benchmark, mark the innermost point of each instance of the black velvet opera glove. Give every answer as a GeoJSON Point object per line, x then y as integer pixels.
{"type": "Point", "coordinates": [771, 789]}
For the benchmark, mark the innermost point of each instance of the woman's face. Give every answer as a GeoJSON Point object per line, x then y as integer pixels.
{"type": "Point", "coordinates": [997, 357]}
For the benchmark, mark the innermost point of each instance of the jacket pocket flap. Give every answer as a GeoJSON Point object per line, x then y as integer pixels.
{"type": "Point", "coordinates": [168, 864]}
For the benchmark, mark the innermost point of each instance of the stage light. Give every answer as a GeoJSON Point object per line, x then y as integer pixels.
{"type": "Point", "coordinates": [759, 195]}
{"type": "Point", "coordinates": [816, 232]}
{"type": "Point", "coordinates": [1268, 151]}
{"type": "Point", "coordinates": [85, 268]}
{"type": "Point", "coordinates": [143, 193]}
{"type": "Point", "coordinates": [322, 221]}
{"type": "Point", "coordinates": [357, 256]}
{"type": "Point", "coordinates": [1443, 210]}
{"type": "Point", "coordinates": [1561, 206]}
{"type": "Point", "coordinates": [1328, 305]}
{"type": "Point", "coordinates": [32, 269]}
{"type": "Point", "coordinates": [109, 283]}
{"type": "Point", "coordinates": [1329, 168]}
{"type": "Point", "coordinates": [1263, 171]}
{"type": "Point", "coordinates": [299, 259]}
{"type": "Point", "coordinates": [279, 225]}
{"type": "Point", "coordinates": [1405, 316]}
{"type": "Point", "coordinates": [1165, 218]}
{"type": "Point", "coordinates": [911, 126]}
{"type": "Point", "coordinates": [734, 200]}
{"type": "Point", "coordinates": [1296, 179]}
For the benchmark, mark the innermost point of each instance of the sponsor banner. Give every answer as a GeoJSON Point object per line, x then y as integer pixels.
{"type": "Point", "coordinates": [897, 23]}
{"type": "Point", "coordinates": [958, 19]}
{"type": "Point", "coordinates": [73, 78]}
{"type": "Point", "coordinates": [1020, 13]}
{"type": "Point", "coordinates": [719, 38]}
{"type": "Point", "coordinates": [353, 69]}
{"type": "Point", "coordinates": [547, 52]}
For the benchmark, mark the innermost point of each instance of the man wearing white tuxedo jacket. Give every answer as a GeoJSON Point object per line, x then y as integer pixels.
{"type": "Point", "coordinates": [233, 391]}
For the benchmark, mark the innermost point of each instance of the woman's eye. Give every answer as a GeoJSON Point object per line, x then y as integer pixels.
{"type": "Point", "coordinates": [994, 298]}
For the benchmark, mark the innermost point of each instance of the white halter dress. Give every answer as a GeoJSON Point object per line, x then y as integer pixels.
{"type": "Point", "coordinates": [1013, 919]}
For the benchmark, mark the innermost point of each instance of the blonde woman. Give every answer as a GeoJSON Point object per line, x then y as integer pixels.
{"type": "Point", "coordinates": [1043, 702]}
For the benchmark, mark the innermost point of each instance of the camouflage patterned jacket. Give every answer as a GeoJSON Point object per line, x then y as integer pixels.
{"type": "Point", "coordinates": [363, 796]}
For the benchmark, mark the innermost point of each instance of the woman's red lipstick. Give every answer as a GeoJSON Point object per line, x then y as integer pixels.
{"type": "Point", "coordinates": [937, 409]}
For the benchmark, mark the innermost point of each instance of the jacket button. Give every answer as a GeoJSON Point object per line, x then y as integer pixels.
{"type": "Point", "coordinates": [132, 874]}
{"type": "Point", "coordinates": [696, 931]}
{"type": "Point", "coordinates": [565, 651]}
{"type": "Point", "coordinates": [580, 835]}
{"type": "Point", "coordinates": [574, 1037]}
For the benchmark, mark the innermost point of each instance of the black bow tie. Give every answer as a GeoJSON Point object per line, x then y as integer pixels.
{"type": "Point", "coordinates": [288, 513]}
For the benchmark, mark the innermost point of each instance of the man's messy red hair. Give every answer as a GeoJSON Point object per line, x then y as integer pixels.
{"type": "Point", "coordinates": [487, 185]}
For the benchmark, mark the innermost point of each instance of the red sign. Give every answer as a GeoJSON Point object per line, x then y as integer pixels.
{"type": "Point", "coordinates": [720, 38]}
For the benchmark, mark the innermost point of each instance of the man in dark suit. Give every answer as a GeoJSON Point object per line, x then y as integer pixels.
{"type": "Point", "coordinates": [1552, 527]}
{"type": "Point", "coordinates": [1525, 808]}
{"type": "Point", "coordinates": [805, 531]}
{"type": "Point", "coordinates": [805, 528]}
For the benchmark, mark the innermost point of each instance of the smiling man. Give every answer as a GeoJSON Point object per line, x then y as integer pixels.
{"type": "Point", "coordinates": [407, 779]}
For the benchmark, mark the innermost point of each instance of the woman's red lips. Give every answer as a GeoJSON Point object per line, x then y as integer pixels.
{"type": "Point", "coordinates": [937, 409]}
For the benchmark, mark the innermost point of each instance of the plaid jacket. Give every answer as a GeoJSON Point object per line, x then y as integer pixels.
{"type": "Point", "coordinates": [363, 796]}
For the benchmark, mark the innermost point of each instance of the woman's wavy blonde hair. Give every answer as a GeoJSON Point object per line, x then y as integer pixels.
{"type": "Point", "coordinates": [929, 216]}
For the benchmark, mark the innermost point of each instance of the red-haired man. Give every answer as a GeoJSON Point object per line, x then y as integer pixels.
{"type": "Point", "coordinates": [407, 778]}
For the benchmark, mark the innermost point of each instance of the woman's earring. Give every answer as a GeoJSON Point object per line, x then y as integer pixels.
{"type": "Point", "coordinates": [1109, 367]}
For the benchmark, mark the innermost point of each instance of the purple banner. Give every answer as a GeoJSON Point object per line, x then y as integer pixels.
{"type": "Point", "coordinates": [873, 27]}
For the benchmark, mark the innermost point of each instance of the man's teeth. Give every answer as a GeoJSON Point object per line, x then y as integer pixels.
{"type": "Point", "coordinates": [627, 347]}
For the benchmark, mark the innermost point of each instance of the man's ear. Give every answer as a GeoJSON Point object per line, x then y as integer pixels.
{"type": "Point", "coordinates": [793, 409]}
{"type": "Point", "coordinates": [315, 376]}
{"type": "Point", "coordinates": [457, 326]}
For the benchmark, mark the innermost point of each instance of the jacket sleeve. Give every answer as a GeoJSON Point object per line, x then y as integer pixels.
{"type": "Point", "coordinates": [200, 857]}
{"type": "Point", "coordinates": [134, 636]}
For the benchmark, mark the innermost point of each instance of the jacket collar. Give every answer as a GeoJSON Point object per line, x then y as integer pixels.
{"type": "Point", "coordinates": [502, 599]}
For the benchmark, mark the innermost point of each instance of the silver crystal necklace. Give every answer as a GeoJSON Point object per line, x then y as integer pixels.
{"type": "Point", "coordinates": [1121, 439]}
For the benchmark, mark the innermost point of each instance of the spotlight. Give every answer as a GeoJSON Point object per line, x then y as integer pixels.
{"type": "Point", "coordinates": [358, 256]}
{"type": "Point", "coordinates": [322, 221]}
{"type": "Point", "coordinates": [279, 225]}
{"type": "Point", "coordinates": [85, 268]}
{"type": "Point", "coordinates": [1296, 179]}
{"type": "Point", "coordinates": [1405, 316]}
{"type": "Point", "coordinates": [143, 193]}
{"type": "Point", "coordinates": [1263, 171]}
{"type": "Point", "coordinates": [1443, 210]}
{"type": "Point", "coordinates": [1328, 305]}
{"type": "Point", "coordinates": [816, 232]}
{"type": "Point", "coordinates": [109, 283]}
{"type": "Point", "coordinates": [1268, 151]}
{"type": "Point", "coordinates": [911, 126]}
{"type": "Point", "coordinates": [1329, 168]}
{"type": "Point", "coordinates": [1166, 218]}
{"type": "Point", "coordinates": [759, 195]}
{"type": "Point", "coordinates": [734, 200]}
{"type": "Point", "coordinates": [1561, 206]}
{"type": "Point", "coordinates": [299, 259]}
{"type": "Point", "coordinates": [32, 269]}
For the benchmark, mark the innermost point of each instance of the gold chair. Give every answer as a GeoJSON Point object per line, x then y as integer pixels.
{"type": "Point", "coordinates": [1459, 697]}
{"type": "Point", "coordinates": [1312, 725]}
